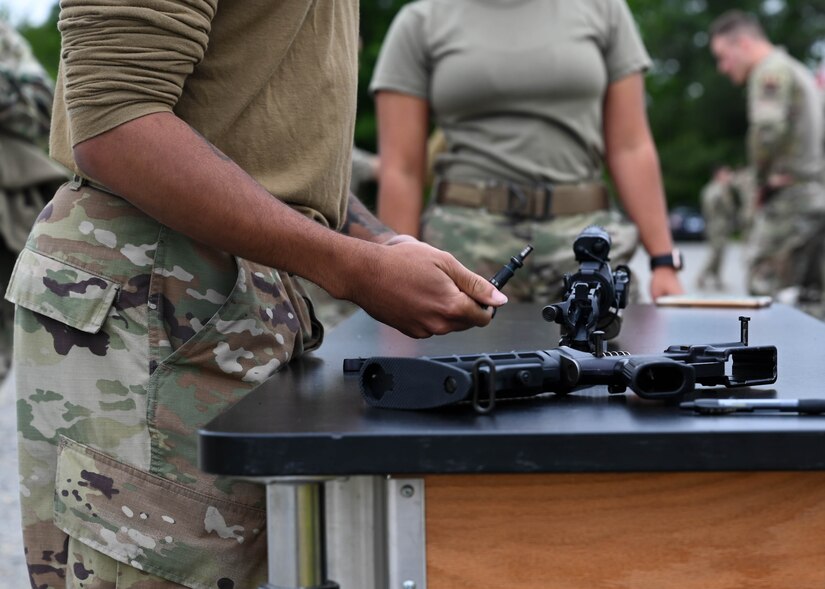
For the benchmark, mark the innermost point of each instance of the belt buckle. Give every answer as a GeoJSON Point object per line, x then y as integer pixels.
{"type": "Point", "coordinates": [517, 203]}
{"type": "Point", "coordinates": [548, 201]}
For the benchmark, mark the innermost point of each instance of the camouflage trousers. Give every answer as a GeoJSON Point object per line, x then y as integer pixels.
{"type": "Point", "coordinates": [786, 249]}
{"type": "Point", "coordinates": [128, 338]}
{"type": "Point", "coordinates": [329, 310]}
{"type": "Point", "coordinates": [711, 271]}
{"type": "Point", "coordinates": [484, 242]}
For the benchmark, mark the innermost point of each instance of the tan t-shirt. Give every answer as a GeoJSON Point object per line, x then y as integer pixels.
{"type": "Point", "coordinates": [517, 85]}
{"type": "Point", "coordinates": [271, 84]}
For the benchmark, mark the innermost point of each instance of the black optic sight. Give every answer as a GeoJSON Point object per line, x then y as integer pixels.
{"type": "Point", "coordinates": [592, 296]}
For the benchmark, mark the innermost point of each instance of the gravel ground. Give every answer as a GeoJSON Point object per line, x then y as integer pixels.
{"type": "Point", "coordinates": [12, 567]}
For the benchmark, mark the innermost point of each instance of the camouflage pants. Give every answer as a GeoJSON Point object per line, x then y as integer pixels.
{"type": "Point", "coordinates": [128, 338]}
{"type": "Point", "coordinates": [717, 243]}
{"type": "Point", "coordinates": [86, 568]}
{"type": "Point", "coordinates": [786, 250]}
{"type": "Point", "coordinates": [484, 242]}
{"type": "Point", "coordinates": [329, 310]}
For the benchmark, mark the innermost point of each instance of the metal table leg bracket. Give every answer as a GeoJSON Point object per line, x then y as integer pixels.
{"type": "Point", "coordinates": [296, 549]}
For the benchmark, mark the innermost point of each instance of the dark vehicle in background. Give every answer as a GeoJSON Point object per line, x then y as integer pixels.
{"type": "Point", "coordinates": [687, 224]}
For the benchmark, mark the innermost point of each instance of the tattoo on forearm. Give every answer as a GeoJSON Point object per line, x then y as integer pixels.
{"type": "Point", "coordinates": [361, 223]}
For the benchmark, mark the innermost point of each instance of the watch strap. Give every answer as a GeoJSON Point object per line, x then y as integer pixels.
{"type": "Point", "coordinates": [671, 260]}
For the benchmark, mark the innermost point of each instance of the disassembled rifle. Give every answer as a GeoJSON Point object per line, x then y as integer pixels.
{"type": "Point", "coordinates": [593, 297]}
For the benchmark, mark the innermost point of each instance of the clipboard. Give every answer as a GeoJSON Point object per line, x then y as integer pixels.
{"type": "Point", "coordinates": [715, 302]}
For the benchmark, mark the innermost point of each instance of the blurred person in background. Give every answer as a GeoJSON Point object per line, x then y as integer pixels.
{"type": "Point", "coordinates": [28, 178]}
{"type": "Point", "coordinates": [820, 83]}
{"type": "Point", "coordinates": [744, 185]}
{"type": "Point", "coordinates": [785, 146]}
{"type": "Point", "coordinates": [719, 211]}
{"type": "Point", "coordinates": [524, 152]}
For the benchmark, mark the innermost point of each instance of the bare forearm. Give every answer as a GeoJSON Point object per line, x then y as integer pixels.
{"type": "Point", "coordinates": [635, 172]}
{"type": "Point", "coordinates": [362, 224]}
{"type": "Point", "coordinates": [400, 201]}
{"type": "Point", "coordinates": [163, 167]}
{"type": "Point", "coordinates": [402, 140]}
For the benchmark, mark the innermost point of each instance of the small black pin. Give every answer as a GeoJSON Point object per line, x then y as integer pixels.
{"type": "Point", "coordinates": [504, 275]}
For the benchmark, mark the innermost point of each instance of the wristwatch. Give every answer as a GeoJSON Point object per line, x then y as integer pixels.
{"type": "Point", "coordinates": [671, 260]}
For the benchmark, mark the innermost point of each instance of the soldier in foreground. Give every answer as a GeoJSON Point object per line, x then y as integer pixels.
{"type": "Point", "coordinates": [785, 150]}
{"type": "Point", "coordinates": [157, 287]}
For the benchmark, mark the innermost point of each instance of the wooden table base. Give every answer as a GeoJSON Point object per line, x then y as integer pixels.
{"type": "Point", "coordinates": [728, 530]}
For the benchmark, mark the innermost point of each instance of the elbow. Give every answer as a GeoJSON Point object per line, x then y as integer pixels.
{"type": "Point", "coordinates": [638, 151]}
{"type": "Point", "coordinates": [89, 158]}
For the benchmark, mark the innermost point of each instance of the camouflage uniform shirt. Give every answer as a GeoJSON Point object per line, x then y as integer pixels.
{"type": "Point", "coordinates": [785, 249]}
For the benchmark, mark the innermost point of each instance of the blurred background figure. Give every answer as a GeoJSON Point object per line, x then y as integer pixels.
{"type": "Point", "coordinates": [820, 83]}
{"type": "Point", "coordinates": [785, 143]}
{"type": "Point", "coordinates": [744, 185]}
{"type": "Point", "coordinates": [719, 211]}
{"type": "Point", "coordinates": [28, 178]}
{"type": "Point", "coordinates": [364, 171]}
{"type": "Point", "coordinates": [524, 153]}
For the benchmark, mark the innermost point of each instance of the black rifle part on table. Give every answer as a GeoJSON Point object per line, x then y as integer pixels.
{"type": "Point", "coordinates": [481, 379]}
{"type": "Point", "coordinates": [310, 418]}
{"type": "Point", "coordinates": [593, 295]}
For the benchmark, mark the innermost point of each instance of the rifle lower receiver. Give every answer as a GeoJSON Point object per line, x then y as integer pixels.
{"type": "Point", "coordinates": [481, 379]}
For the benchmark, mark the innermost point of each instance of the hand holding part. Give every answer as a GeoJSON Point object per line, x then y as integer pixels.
{"type": "Point", "coordinates": [507, 271]}
{"type": "Point", "coordinates": [419, 290]}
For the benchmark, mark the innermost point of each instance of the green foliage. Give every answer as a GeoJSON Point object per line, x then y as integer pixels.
{"type": "Point", "coordinates": [697, 116]}
{"type": "Point", "coordinates": [45, 41]}
{"type": "Point", "coordinates": [376, 16]}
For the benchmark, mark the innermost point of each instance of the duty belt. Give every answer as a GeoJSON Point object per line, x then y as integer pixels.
{"type": "Point", "coordinates": [542, 201]}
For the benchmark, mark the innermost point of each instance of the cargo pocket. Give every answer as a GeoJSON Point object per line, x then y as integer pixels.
{"type": "Point", "coordinates": [60, 291]}
{"type": "Point", "coordinates": [156, 525]}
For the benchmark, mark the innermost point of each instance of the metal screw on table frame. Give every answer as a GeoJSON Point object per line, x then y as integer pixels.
{"type": "Point", "coordinates": [408, 585]}
{"type": "Point", "coordinates": [407, 491]}
{"type": "Point", "coordinates": [406, 534]}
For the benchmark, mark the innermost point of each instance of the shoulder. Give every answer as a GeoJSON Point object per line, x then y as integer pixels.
{"type": "Point", "coordinates": [608, 19]}
{"type": "Point", "coordinates": [424, 10]}
{"type": "Point", "coordinates": [421, 22]}
{"type": "Point", "coordinates": [608, 11]}
{"type": "Point", "coordinates": [778, 66]}
{"type": "Point", "coordinates": [771, 76]}
{"type": "Point", "coordinates": [414, 17]}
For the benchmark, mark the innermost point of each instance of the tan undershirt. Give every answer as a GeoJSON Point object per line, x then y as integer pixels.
{"type": "Point", "coordinates": [203, 60]}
